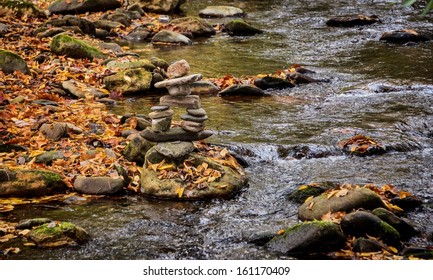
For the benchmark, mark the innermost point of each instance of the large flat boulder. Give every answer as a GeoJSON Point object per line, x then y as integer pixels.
{"type": "Point", "coordinates": [82, 6]}
{"type": "Point", "coordinates": [129, 81]}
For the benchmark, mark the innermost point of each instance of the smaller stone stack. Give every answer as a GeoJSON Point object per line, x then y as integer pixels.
{"type": "Point", "coordinates": [179, 88]}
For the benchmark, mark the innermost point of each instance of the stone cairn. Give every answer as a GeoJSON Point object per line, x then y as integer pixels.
{"type": "Point", "coordinates": [192, 127]}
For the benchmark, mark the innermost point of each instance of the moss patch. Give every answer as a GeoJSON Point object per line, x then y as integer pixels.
{"type": "Point", "coordinates": [63, 44]}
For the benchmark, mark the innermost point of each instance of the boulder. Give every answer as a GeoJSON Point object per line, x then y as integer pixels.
{"type": "Point", "coordinates": [367, 245]}
{"type": "Point", "coordinates": [350, 21]}
{"type": "Point", "coordinates": [107, 25]}
{"type": "Point", "coordinates": [86, 26]}
{"type": "Point", "coordinates": [30, 183]}
{"type": "Point", "coordinates": [166, 182]}
{"type": "Point", "coordinates": [170, 38]}
{"type": "Point", "coordinates": [312, 189]}
{"type": "Point", "coordinates": [57, 234]}
{"type": "Point", "coordinates": [197, 26]}
{"type": "Point", "coordinates": [175, 150]}
{"type": "Point", "coordinates": [204, 87]}
{"type": "Point", "coordinates": [63, 44]}
{"type": "Point", "coordinates": [56, 131]}
{"type": "Point", "coordinates": [80, 90]}
{"type": "Point", "coordinates": [221, 11]}
{"type": "Point", "coordinates": [309, 237]}
{"type": "Point", "coordinates": [139, 34]}
{"type": "Point", "coordinates": [48, 157]}
{"type": "Point", "coordinates": [241, 90]}
{"type": "Point", "coordinates": [129, 81]}
{"type": "Point", "coordinates": [161, 6]}
{"type": "Point", "coordinates": [364, 224]}
{"type": "Point", "coordinates": [131, 64]}
{"type": "Point", "coordinates": [239, 27]}
{"type": "Point", "coordinates": [272, 82]}
{"type": "Point", "coordinates": [99, 185]}
{"type": "Point", "coordinates": [351, 200]}
{"type": "Point", "coordinates": [404, 227]}
{"type": "Point", "coordinates": [82, 6]}
{"type": "Point", "coordinates": [405, 36]}
{"type": "Point", "coordinates": [10, 62]}
{"type": "Point", "coordinates": [136, 149]}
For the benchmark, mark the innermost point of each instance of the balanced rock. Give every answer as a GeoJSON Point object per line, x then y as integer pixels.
{"type": "Point", "coordinates": [221, 11]}
{"type": "Point", "coordinates": [204, 87]}
{"type": "Point", "coordinates": [161, 124]}
{"type": "Point", "coordinates": [190, 101]}
{"type": "Point", "coordinates": [192, 126]}
{"type": "Point", "coordinates": [175, 150]}
{"type": "Point", "coordinates": [161, 114]}
{"type": "Point", "coordinates": [174, 134]}
{"type": "Point", "coordinates": [178, 69]}
{"type": "Point", "coordinates": [200, 112]}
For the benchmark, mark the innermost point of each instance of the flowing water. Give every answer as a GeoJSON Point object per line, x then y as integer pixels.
{"type": "Point", "coordinates": [288, 137]}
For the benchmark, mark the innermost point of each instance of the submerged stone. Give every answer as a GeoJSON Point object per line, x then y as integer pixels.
{"type": "Point", "coordinates": [405, 36]}
{"type": "Point", "coordinates": [197, 26]}
{"type": "Point", "coordinates": [242, 90]}
{"type": "Point", "coordinates": [350, 21]}
{"type": "Point", "coordinates": [241, 28]}
{"type": "Point", "coordinates": [221, 11]}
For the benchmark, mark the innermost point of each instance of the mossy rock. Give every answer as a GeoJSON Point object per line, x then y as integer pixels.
{"type": "Point", "coordinates": [309, 238]}
{"type": "Point", "coordinates": [30, 183]}
{"type": "Point", "coordinates": [129, 81]}
{"type": "Point", "coordinates": [197, 26]}
{"type": "Point", "coordinates": [63, 44]}
{"type": "Point", "coordinates": [136, 149]}
{"type": "Point", "coordinates": [58, 234]}
{"type": "Point", "coordinates": [82, 6]}
{"type": "Point", "coordinates": [10, 62]}
{"type": "Point", "coordinates": [239, 27]}
{"type": "Point", "coordinates": [142, 63]}
{"type": "Point", "coordinates": [403, 226]}
{"type": "Point", "coordinates": [312, 189]}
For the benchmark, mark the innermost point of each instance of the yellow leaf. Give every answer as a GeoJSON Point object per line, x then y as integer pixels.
{"type": "Point", "coordinates": [221, 186]}
{"type": "Point", "coordinates": [281, 231]}
{"type": "Point", "coordinates": [332, 193]}
{"type": "Point", "coordinates": [166, 166]}
{"type": "Point", "coordinates": [24, 232]}
{"type": "Point", "coordinates": [308, 199]}
{"type": "Point", "coordinates": [14, 250]}
{"type": "Point", "coordinates": [353, 149]}
{"type": "Point", "coordinates": [179, 191]}
{"type": "Point", "coordinates": [36, 153]}
{"type": "Point", "coordinates": [201, 180]}
{"type": "Point", "coordinates": [342, 192]}
{"type": "Point", "coordinates": [393, 249]}
{"type": "Point", "coordinates": [224, 152]}
{"type": "Point", "coordinates": [310, 206]}
{"type": "Point", "coordinates": [303, 187]}
{"type": "Point", "coordinates": [30, 244]}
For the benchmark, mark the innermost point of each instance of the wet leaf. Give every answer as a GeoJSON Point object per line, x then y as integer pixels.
{"type": "Point", "coordinates": [281, 232]}
{"type": "Point", "coordinates": [342, 192]}
{"type": "Point", "coordinates": [303, 187]}
{"type": "Point", "coordinates": [179, 191]}
{"type": "Point", "coordinates": [13, 250]}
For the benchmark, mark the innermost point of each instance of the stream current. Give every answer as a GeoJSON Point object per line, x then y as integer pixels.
{"type": "Point", "coordinates": [288, 137]}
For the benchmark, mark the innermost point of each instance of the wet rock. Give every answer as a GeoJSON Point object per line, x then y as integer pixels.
{"type": "Point", "coordinates": [177, 69]}
{"type": "Point", "coordinates": [170, 37]}
{"type": "Point", "coordinates": [136, 8]}
{"type": "Point", "coordinates": [272, 82]}
{"type": "Point", "coordinates": [405, 36]}
{"type": "Point", "coordinates": [131, 64]}
{"type": "Point", "coordinates": [175, 150]}
{"type": "Point", "coordinates": [361, 145]}
{"type": "Point", "coordinates": [99, 185]}
{"type": "Point", "coordinates": [175, 134]}
{"type": "Point", "coordinates": [304, 151]}
{"type": "Point", "coordinates": [350, 21]}
{"type": "Point", "coordinates": [81, 7]}
{"type": "Point", "coordinates": [190, 101]}
{"type": "Point", "coordinates": [107, 25]}
{"type": "Point", "coordinates": [137, 149]}
{"type": "Point", "coordinates": [120, 17]}
{"type": "Point", "coordinates": [30, 223]}
{"type": "Point", "coordinates": [139, 34]}
{"type": "Point", "coordinates": [86, 26]}
{"type": "Point", "coordinates": [63, 44]}
{"type": "Point", "coordinates": [312, 189]}
{"type": "Point", "coordinates": [417, 252]}
{"type": "Point", "coordinates": [230, 182]}
{"type": "Point", "coordinates": [221, 11]}
{"type": "Point", "coordinates": [197, 26]}
{"type": "Point", "coordinates": [260, 238]}
{"type": "Point", "coordinates": [10, 62]}
{"type": "Point", "coordinates": [80, 90]}
{"type": "Point", "coordinates": [158, 62]}
{"type": "Point", "coordinates": [353, 199]}
{"type": "Point", "coordinates": [48, 157]}
{"type": "Point", "coordinates": [239, 27]}
{"type": "Point", "coordinates": [300, 78]}
{"type": "Point", "coordinates": [407, 203]}
{"type": "Point", "coordinates": [129, 81]}
{"type": "Point", "coordinates": [242, 90]}
{"type": "Point", "coordinates": [363, 224]}
{"type": "Point", "coordinates": [404, 227]}
{"type": "Point", "coordinates": [34, 183]}
{"type": "Point", "coordinates": [309, 237]}
{"type": "Point", "coordinates": [161, 6]}
{"type": "Point", "coordinates": [58, 234]}
{"type": "Point", "coordinates": [367, 245]}
{"type": "Point", "coordinates": [204, 87]}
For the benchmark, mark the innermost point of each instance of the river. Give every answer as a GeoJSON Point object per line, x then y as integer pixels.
{"type": "Point", "coordinates": [377, 89]}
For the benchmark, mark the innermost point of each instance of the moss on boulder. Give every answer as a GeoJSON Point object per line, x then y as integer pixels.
{"type": "Point", "coordinates": [58, 234]}
{"type": "Point", "coordinates": [63, 44]}
{"type": "Point", "coordinates": [10, 62]}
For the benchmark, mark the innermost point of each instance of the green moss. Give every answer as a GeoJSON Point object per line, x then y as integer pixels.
{"type": "Point", "coordinates": [49, 177]}
{"type": "Point", "coordinates": [56, 230]}
{"type": "Point", "coordinates": [388, 233]}
{"type": "Point", "coordinates": [66, 45]}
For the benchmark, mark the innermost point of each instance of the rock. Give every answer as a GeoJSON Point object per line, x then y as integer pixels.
{"type": "Point", "coordinates": [158, 62]}
{"type": "Point", "coordinates": [30, 223]}
{"type": "Point", "coordinates": [177, 69]}
{"type": "Point", "coordinates": [63, 44]}
{"type": "Point", "coordinates": [221, 11]}
{"type": "Point", "coordinates": [82, 6]}
{"type": "Point", "coordinates": [98, 185]}
{"type": "Point", "coordinates": [352, 200]}
{"type": "Point", "coordinates": [58, 234]}
{"type": "Point", "coordinates": [137, 149]}
{"type": "Point", "coordinates": [4, 29]}
{"type": "Point", "coordinates": [405, 36]}
{"type": "Point", "coordinates": [204, 87]}
{"type": "Point", "coordinates": [367, 245]}
{"type": "Point", "coordinates": [200, 112]}
{"type": "Point", "coordinates": [361, 145]}
{"type": "Point", "coordinates": [312, 189]}
{"type": "Point", "coordinates": [241, 90]}
{"type": "Point", "coordinates": [45, 102]}
{"type": "Point", "coordinates": [350, 21]}
{"type": "Point", "coordinates": [197, 26]}
{"type": "Point", "coordinates": [230, 182]}
{"type": "Point", "coordinates": [161, 124]}
{"type": "Point", "coordinates": [80, 90]}
{"type": "Point", "coordinates": [121, 18]}
{"type": "Point", "coordinates": [48, 157]}
{"type": "Point", "coordinates": [161, 114]}
{"type": "Point", "coordinates": [188, 117]}
{"type": "Point", "coordinates": [131, 64]}
{"type": "Point", "coordinates": [33, 183]}
{"type": "Point", "coordinates": [363, 224]}
{"type": "Point", "coordinates": [10, 62]}
{"type": "Point", "coordinates": [139, 34]}
{"type": "Point", "coordinates": [417, 252]}
{"type": "Point", "coordinates": [175, 134]}
{"type": "Point", "coordinates": [300, 78]}
{"type": "Point", "coordinates": [161, 6]}
{"type": "Point", "coordinates": [174, 150]}
{"type": "Point", "coordinates": [190, 101]}
{"type": "Point", "coordinates": [159, 108]}
{"type": "Point", "coordinates": [309, 237]}
{"type": "Point", "coordinates": [238, 27]}
{"type": "Point", "coordinates": [86, 26]}
{"type": "Point", "coordinates": [260, 238]}
{"type": "Point", "coordinates": [407, 203]}
{"type": "Point", "coordinates": [56, 131]}
{"type": "Point", "coordinates": [272, 82]}
{"type": "Point", "coordinates": [107, 25]}
{"type": "Point", "coordinates": [179, 86]}
{"type": "Point", "coordinates": [129, 81]}
{"type": "Point", "coordinates": [170, 37]}
{"type": "Point", "coordinates": [404, 228]}
{"type": "Point", "coordinates": [107, 101]}
{"type": "Point", "coordinates": [136, 8]}
{"type": "Point", "coordinates": [192, 126]}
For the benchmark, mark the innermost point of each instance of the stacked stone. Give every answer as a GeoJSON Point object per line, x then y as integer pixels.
{"type": "Point", "coordinates": [179, 89]}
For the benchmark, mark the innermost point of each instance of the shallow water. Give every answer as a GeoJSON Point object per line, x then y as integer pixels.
{"type": "Point", "coordinates": [380, 90]}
